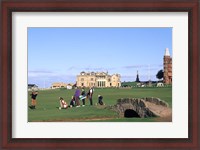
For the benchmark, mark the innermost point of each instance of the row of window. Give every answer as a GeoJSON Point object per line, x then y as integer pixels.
{"type": "Point", "coordinates": [91, 84]}
{"type": "Point", "coordinates": [99, 84]}
{"type": "Point", "coordinates": [92, 79]}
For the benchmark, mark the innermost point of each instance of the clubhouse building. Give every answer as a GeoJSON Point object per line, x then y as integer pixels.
{"type": "Point", "coordinates": [98, 79]}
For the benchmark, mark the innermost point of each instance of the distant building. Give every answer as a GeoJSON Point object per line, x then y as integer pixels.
{"type": "Point", "coordinates": [167, 63]}
{"type": "Point", "coordinates": [159, 84]}
{"type": "Point", "coordinates": [137, 78]}
{"type": "Point", "coordinates": [32, 87]}
{"type": "Point", "coordinates": [69, 86]}
{"type": "Point", "coordinates": [57, 85]}
{"type": "Point", "coordinates": [98, 79]}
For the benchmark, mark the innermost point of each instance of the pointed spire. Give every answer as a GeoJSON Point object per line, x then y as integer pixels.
{"type": "Point", "coordinates": [167, 52]}
{"type": "Point", "coordinates": [137, 78]}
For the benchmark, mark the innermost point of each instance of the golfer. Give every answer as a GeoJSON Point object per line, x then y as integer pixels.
{"type": "Point", "coordinates": [90, 94]}
{"type": "Point", "coordinates": [33, 99]}
{"type": "Point", "coordinates": [76, 96]}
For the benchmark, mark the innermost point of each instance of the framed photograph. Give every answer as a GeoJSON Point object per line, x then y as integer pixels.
{"type": "Point", "coordinates": [100, 74]}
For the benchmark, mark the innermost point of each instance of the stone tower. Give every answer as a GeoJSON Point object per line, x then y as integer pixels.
{"type": "Point", "coordinates": [167, 64]}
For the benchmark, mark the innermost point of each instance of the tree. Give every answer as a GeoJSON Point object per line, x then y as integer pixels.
{"type": "Point", "coordinates": [159, 75]}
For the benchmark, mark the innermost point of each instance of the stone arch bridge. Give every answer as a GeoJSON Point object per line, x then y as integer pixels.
{"type": "Point", "coordinates": [142, 107]}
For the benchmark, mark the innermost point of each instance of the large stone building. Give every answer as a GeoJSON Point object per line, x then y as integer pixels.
{"type": "Point", "coordinates": [167, 64]}
{"type": "Point", "coordinates": [98, 79]}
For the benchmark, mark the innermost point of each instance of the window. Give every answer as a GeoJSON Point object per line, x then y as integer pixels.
{"type": "Point", "coordinates": [92, 79]}
{"type": "Point", "coordinates": [82, 79]}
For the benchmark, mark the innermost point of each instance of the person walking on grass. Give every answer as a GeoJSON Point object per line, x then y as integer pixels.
{"type": "Point", "coordinates": [83, 97]}
{"type": "Point", "coordinates": [76, 96]}
{"type": "Point", "coordinates": [33, 99]}
{"type": "Point", "coordinates": [90, 94]}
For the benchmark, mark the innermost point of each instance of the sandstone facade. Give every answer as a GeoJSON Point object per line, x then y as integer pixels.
{"type": "Point", "coordinates": [98, 79]}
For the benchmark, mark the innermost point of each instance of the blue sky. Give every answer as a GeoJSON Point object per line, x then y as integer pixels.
{"type": "Point", "coordinates": [59, 54]}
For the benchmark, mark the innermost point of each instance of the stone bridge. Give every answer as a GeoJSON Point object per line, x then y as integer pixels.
{"type": "Point", "coordinates": [141, 107]}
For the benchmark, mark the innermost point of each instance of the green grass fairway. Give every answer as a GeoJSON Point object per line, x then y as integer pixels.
{"type": "Point", "coordinates": [48, 103]}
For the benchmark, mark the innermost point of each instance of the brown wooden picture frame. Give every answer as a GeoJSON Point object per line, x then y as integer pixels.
{"type": "Point", "coordinates": [9, 6]}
